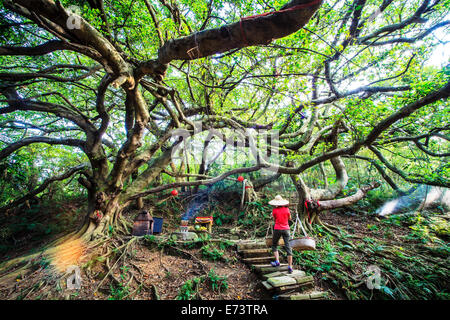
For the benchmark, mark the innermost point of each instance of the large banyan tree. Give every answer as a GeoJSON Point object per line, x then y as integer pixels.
{"type": "Point", "coordinates": [113, 83]}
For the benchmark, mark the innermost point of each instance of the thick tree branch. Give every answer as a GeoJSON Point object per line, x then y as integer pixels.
{"type": "Point", "coordinates": [343, 202]}
{"type": "Point", "coordinates": [56, 19]}
{"type": "Point", "coordinates": [42, 49]}
{"type": "Point", "coordinates": [442, 93]}
{"type": "Point", "coordinates": [16, 103]}
{"type": "Point", "coordinates": [248, 32]}
{"type": "Point", "coordinates": [197, 182]}
{"type": "Point", "coordinates": [51, 141]}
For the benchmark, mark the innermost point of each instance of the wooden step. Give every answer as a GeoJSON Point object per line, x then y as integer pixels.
{"type": "Point", "coordinates": [251, 245]}
{"type": "Point", "coordinates": [258, 260]}
{"type": "Point", "coordinates": [253, 253]}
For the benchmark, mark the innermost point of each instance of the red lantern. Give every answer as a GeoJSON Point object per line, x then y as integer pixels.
{"type": "Point", "coordinates": [174, 192]}
{"type": "Point", "coordinates": [240, 178]}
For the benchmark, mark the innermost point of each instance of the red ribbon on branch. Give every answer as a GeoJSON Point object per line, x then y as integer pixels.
{"type": "Point", "coordinates": [294, 8]}
{"type": "Point", "coordinates": [307, 211]}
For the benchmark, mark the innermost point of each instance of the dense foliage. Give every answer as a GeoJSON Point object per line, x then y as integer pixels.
{"type": "Point", "coordinates": [353, 95]}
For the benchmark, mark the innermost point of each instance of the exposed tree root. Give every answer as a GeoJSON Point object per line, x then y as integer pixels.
{"type": "Point", "coordinates": [125, 246]}
{"type": "Point", "coordinates": [155, 292]}
{"type": "Point", "coordinates": [328, 228]}
{"type": "Point", "coordinates": [72, 249]}
{"type": "Point", "coordinates": [194, 258]}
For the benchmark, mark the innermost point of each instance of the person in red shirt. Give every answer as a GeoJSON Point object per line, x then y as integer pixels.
{"type": "Point", "coordinates": [281, 216]}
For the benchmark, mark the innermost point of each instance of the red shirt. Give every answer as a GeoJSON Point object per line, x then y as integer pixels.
{"type": "Point", "coordinates": [281, 216]}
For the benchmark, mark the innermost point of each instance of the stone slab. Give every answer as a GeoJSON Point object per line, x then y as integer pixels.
{"type": "Point", "coordinates": [318, 294]}
{"type": "Point", "coordinates": [267, 285]}
{"type": "Point", "coordinates": [268, 268]}
{"type": "Point", "coordinates": [299, 287]}
{"type": "Point", "coordinates": [296, 274]}
{"type": "Point", "coordinates": [304, 279]}
{"type": "Point", "coordinates": [273, 274]}
{"type": "Point", "coordinates": [281, 281]}
{"type": "Point", "coordinates": [302, 296]}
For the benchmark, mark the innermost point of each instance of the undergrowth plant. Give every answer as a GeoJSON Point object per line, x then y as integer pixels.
{"type": "Point", "coordinates": [121, 290]}
{"type": "Point", "coordinates": [217, 283]}
{"type": "Point", "coordinates": [406, 270]}
{"type": "Point", "coordinates": [212, 253]}
{"type": "Point", "coordinates": [190, 289]}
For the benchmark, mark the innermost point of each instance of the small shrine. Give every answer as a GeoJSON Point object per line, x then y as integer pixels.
{"type": "Point", "coordinates": [143, 224]}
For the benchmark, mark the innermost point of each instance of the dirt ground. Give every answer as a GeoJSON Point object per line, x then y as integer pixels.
{"type": "Point", "coordinates": [168, 273]}
{"type": "Point", "coordinates": [161, 271]}
{"type": "Point", "coordinates": [164, 272]}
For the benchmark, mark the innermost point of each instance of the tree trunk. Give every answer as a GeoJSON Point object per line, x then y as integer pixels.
{"type": "Point", "coordinates": [313, 201]}
{"type": "Point", "coordinates": [140, 203]}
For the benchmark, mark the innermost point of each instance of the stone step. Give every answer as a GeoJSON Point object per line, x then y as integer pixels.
{"type": "Point", "coordinates": [266, 285]}
{"type": "Point", "coordinates": [298, 287]}
{"type": "Point", "coordinates": [291, 288]}
{"type": "Point", "coordinates": [277, 280]}
{"type": "Point", "coordinates": [253, 253]}
{"type": "Point", "coordinates": [295, 282]}
{"type": "Point", "coordinates": [294, 274]}
{"type": "Point", "coordinates": [281, 281]}
{"type": "Point", "coordinates": [287, 280]}
{"type": "Point", "coordinates": [304, 279]}
{"type": "Point", "coordinates": [318, 295]}
{"type": "Point", "coordinates": [315, 295]}
{"type": "Point", "coordinates": [267, 268]}
{"type": "Point", "coordinates": [258, 260]}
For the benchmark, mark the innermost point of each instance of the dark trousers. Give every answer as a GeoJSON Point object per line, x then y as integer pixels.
{"type": "Point", "coordinates": [276, 237]}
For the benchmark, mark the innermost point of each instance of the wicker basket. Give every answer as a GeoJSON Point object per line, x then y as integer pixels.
{"type": "Point", "coordinates": [303, 244]}
{"type": "Point", "coordinates": [269, 242]}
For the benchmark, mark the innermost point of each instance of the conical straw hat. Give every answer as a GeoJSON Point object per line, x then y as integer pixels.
{"type": "Point", "coordinates": [278, 201]}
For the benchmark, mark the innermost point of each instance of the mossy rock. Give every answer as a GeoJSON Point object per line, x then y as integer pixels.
{"type": "Point", "coordinates": [190, 236]}
{"type": "Point", "coordinates": [440, 226]}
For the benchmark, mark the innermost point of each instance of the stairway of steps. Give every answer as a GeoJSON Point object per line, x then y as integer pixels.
{"type": "Point", "coordinates": [280, 284]}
